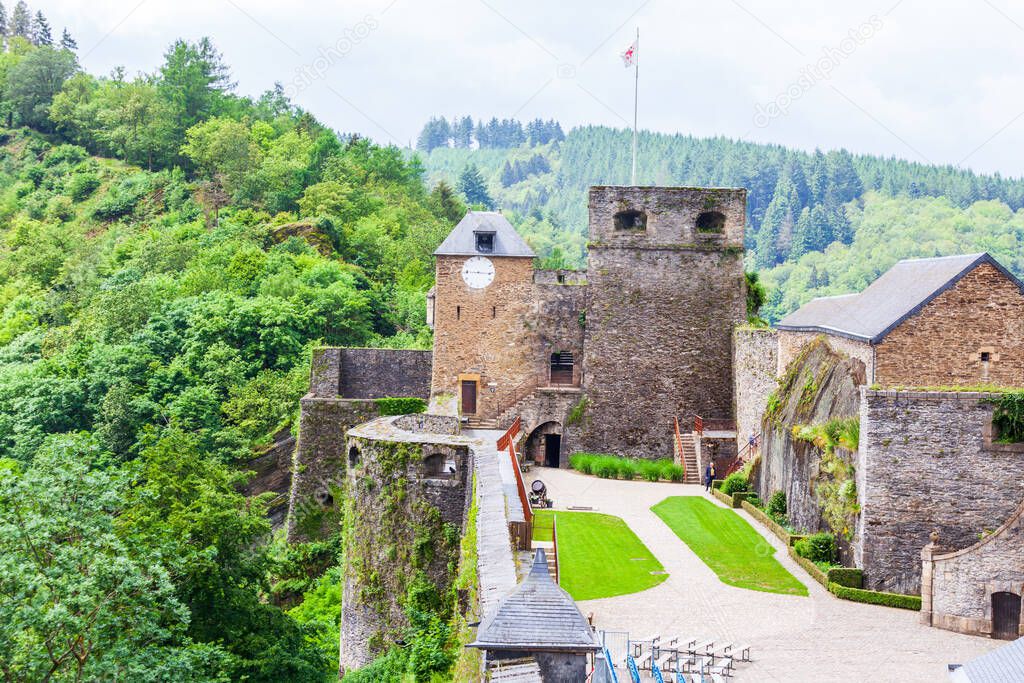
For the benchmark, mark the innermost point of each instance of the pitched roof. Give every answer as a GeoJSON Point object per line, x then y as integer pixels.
{"type": "Point", "coordinates": [462, 242]}
{"type": "Point", "coordinates": [899, 293]}
{"type": "Point", "coordinates": [1002, 664]}
{"type": "Point", "coordinates": [537, 616]}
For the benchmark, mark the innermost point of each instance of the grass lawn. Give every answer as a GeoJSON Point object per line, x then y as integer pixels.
{"type": "Point", "coordinates": [739, 555]}
{"type": "Point", "coordinates": [598, 555]}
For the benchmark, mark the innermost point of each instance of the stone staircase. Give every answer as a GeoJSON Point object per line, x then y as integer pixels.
{"type": "Point", "coordinates": [474, 422]}
{"type": "Point", "coordinates": [549, 554]}
{"type": "Point", "coordinates": [689, 457]}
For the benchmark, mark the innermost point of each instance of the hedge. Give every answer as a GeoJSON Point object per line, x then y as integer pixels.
{"type": "Point", "coordinates": [402, 405]}
{"type": "Point", "coordinates": [810, 568]}
{"type": "Point", "coordinates": [848, 577]}
{"type": "Point", "coordinates": [912, 602]}
{"type": "Point", "coordinates": [785, 536]}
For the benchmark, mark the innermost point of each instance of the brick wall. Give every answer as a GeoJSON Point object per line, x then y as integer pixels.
{"type": "Point", "coordinates": [924, 466]}
{"type": "Point", "coordinates": [791, 342]}
{"type": "Point", "coordinates": [957, 588]}
{"type": "Point", "coordinates": [755, 369]}
{"type": "Point", "coordinates": [662, 306]}
{"type": "Point", "coordinates": [941, 344]}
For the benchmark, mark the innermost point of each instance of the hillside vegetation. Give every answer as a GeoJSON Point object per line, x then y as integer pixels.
{"type": "Point", "coordinates": [818, 223]}
{"type": "Point", "coordinates": [170, 253]}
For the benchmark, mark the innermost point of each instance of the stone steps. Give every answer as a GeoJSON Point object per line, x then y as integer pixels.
{"type": "Point", "coordinates": [689, 456]}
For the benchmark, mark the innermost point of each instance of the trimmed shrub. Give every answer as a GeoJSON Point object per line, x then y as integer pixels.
{"type": "Point", "coordinates": [777, 506]}
{"type": "Point", "coordinates": [848, 577]}
{"type": "Point", "coordinates": [403, 405]}
{"type": "Point", "coordinates": [912, 602]}
{"type": "Point", "coordinates": [819, 547]}
{"type": "Point", "coordinates": [734, 483]}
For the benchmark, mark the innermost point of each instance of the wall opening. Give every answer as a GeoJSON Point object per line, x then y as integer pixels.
{"type": "Point", "coordinates": [562, 367]}
{"type": "Point", "coordinates": [484, 242]}
{"type": "Point", "coordinates": [711, 221]}
{"type": "Point", "coordinates": [458, 312]}
{"type": "Point", "coordinates": [439, 466]}
{"type": "Point", "coordinates": [324, 497]}
{"type": "Point", "coordinates": [544, 445]}
{"type": "Point", "coordinates": [353, 456]}
{"type": "Point", "coordinates": [630, 220]}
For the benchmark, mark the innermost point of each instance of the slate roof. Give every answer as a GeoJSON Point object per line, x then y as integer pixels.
{"type": "Point", "coordinates": [537, 616]}
{"type": "Point", "coordinates": [999, 666]}
{"type": "Point", "coordinates": [462, 242]}
{"type": "Point", "coordinates": [899, 293]}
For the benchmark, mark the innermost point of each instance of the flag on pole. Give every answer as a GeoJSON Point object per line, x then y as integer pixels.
{"type": "Point", "coordinates": [629, 56]}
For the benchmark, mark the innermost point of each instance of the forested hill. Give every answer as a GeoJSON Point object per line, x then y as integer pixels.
{"type": "Point", "coordinates": [170, 253]}
{"type": "Point", "coordinates": [818, 223]}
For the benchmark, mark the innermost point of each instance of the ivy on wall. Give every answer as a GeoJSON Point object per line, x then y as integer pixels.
{"type": "Point", "coordinates": [1008, 416]}
{"type": "Point", "coordinates": [836, 485]}
{"type": "Point", "coordinates": [401, 405]}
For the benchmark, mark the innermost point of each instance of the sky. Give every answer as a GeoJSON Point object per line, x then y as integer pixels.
{"type": "Point", "coordinates": [934, 81]}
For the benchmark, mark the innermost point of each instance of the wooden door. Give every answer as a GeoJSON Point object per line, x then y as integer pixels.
{"type": "Point", "coordinates": [1005, 616]}
{"type": "Point", "coordinates": [468, 397]}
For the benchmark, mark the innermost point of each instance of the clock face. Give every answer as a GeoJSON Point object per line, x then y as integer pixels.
{"type": "Point", "coordinates": [478, 272]}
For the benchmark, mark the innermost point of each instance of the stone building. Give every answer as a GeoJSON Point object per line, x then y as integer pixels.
{"type": "Point", "coordinates": [934, 322]}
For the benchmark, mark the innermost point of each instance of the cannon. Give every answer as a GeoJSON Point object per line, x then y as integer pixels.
{"type": "Point", "coordinates": [539, 495]}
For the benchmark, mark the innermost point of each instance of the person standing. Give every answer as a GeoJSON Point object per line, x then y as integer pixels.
{"type": "Point", "coordinates": [709, 475]}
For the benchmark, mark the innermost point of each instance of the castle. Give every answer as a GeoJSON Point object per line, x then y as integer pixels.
{"type": "Point", "coordinates": [638, 356]}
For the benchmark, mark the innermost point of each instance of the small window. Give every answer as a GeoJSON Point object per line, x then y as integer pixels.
{"type": "Point", "coordinates": [484, 242]}
{"type": "Point", "coordinates": [711, 221]}
{"type": "Point", "coordinates": [458, 312]}
{"type": "Point", "coordinates": [439, 465]}
{"type": "Point", "coordinates": [561, 278]}
{"type": "Point", "coordinates": [561, 367]}
{"type": "Point", "coordinates": [494, 311]}
{"type": "Point", "coordinates": [986, 356]}
{"type": "Point", "coordinates": [353, 456]}
{"type": "Point", "coordinates": [631, 220]}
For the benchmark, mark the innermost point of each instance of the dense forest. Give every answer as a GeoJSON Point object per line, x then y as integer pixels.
{"type": "Point", "coordinates": [170, 253]}
{"type": "Point", "coordinates": [818, 223]}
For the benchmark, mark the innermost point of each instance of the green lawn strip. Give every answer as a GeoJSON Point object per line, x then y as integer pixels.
{"type": "Point", "coordinates": [727, 544]}
{"type": "Point", "coordinates": [598, 555]}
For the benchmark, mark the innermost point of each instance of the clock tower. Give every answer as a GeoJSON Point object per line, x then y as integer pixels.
{"type": "Point", "coordinates": [483, 301]}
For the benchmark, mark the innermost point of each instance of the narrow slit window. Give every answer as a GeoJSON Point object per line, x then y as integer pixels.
{"type": "Point", "coordinates": [458, 312]}
{"type": "Point", "coordinates": [494, 311]}
{"type": "Point", "coordinates": [986, 356]}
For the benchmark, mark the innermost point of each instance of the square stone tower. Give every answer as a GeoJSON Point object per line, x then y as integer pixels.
{"type": "Point", "coordinates": [666, 289]}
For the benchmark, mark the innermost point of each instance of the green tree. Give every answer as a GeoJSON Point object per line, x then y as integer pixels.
{"type": "Point", "coordinates": [67, 42]}
{"type": "Point", "coordinates": [21, 21]}
{"type": "Point", "coordinates": [221, 146]}
{"type": "Point", "coordinates": [77, 601]}
{"type": "Point", "coordinates": [41, 34]}
{"type": "Point", "coordinates": [194, 81]}
{"type": "Point", "coordinates": [34, 81]}
{"type": "Point", "coordinates": [473, 187]}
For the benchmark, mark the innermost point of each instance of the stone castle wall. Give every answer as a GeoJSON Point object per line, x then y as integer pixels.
{"type": "Point", "coordinates": [926, 463]}
{"type": "Point", "coordinates": [403, 522]}
{"type": "Point", "coordinates": [755, 373]}
{"type": "Point", "coordinates": [663, 302]}
{"type": "Point", "coordinates": [957, 588]}
{"type": "Point", "coordinates": [370, 373]}
{"type": "Point", "coordinates": [790, 344]}
{"type": "Point", "coordinates": [983, 312]}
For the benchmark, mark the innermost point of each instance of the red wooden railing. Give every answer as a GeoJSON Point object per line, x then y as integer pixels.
{"type": "Point", "coordinates": [554, 542]}
{"type": "Point", "coordinates": [744, 455]}
{"type": "Point", "coordinates": [679, 447]}
{"type": "Point", "coordinates": [698, 424]}
{"type": "Point", "coordinates": [507, 442]}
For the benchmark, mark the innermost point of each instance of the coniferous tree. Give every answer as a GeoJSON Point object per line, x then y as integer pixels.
{"type": "Point", "coordinates": [462, 132]}
{"type": "Point", "coordinates": [41, 34]}
{"type": "Point", "coordinates": [21, 21]}
{"type": "Point", "coordinates": [3, 24]}
{"type": "Point", "coordinates": [67, 42]}
{"type": "Point", "coordinates": [434, 134]}
{"type": "Point", "coordinates": [473, 187]}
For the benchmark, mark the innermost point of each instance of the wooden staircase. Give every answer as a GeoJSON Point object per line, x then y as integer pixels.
{"type": "Point", "coordinates": [689, 459]}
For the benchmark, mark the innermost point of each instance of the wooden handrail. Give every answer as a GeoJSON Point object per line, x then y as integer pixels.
{"type": "Point", "coordinates": [679, 446]}
{"type": "Point", "coordinates": [507, 441]}
{"type": "Point", "coordinates": [698, 424]}
{"type": "Point", "coordinates": [740, 460]}
{"type": "Point", "coordinates": [554, 542]}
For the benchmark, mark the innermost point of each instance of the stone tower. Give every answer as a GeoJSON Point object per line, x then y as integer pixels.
{"type": "Point", "coordinates": [666, 289]}
{"type": "Point", "coordinates": [483, 311]}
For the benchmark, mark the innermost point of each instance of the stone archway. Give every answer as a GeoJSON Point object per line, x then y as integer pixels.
{"type": "Point", "coordinates": [544, 445]}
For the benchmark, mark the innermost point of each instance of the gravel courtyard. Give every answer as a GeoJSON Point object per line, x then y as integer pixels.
{"type": "Point", "coordinates": [793, 638]}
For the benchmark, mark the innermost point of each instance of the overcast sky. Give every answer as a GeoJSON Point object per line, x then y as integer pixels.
{"type": "Point", "coordinates": [937, 81]}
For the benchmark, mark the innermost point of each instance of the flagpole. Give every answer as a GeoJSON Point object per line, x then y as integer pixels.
{"type": "Point", "coordinates": [636, 88]}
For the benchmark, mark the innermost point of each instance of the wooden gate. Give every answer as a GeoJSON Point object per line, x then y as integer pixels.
{"type": "Point", "coordinates": [1005, 616]}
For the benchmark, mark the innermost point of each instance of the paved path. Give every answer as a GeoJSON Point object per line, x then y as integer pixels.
{"type": "Point", "coordinates": [495, 562]}
{"type": "Point", "coordinates": [816, 638]}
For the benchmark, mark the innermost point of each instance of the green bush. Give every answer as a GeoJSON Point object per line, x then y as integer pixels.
{"type": "Point", "coordinates": [876, 597]}
{"type": "Point", "coordinates": [82, 185]}
{"type": "Point", "coordinates": [819, 547]}
{"type": "Point", "coordinates": [672, 471]}
{"type": "Point", "coordinates": [403, 405]}
{"type": "Point", "coordinates": [627, 469]}
{"type": "Point", "coordinates": [776, 508]}
{"type": "Point", "coordinates": [606, 467]}
{"type": "Point", "coordinates": [849, 577]}
{"type": "Point", "coordinates": [650, 470]}
{"type": "Point", "coordinates": [734, 483]}
{"type": "Point", "coordinates": [582, 462]}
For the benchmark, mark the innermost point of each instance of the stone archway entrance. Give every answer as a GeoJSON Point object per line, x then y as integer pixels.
{"type": "Point", "coordinates": [544, 445]}
{"type": "Point", "coordinates": [1005, 615]}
